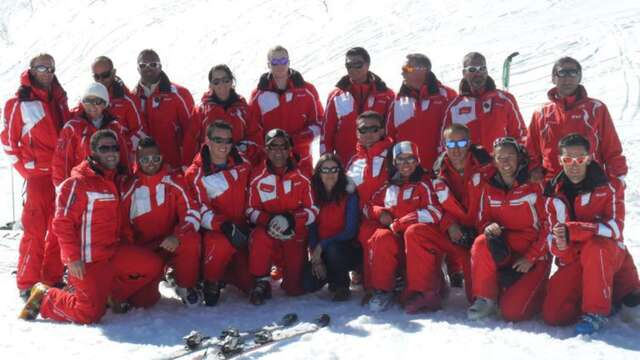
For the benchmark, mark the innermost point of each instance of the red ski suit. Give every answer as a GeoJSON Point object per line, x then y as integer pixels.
{"type": "Point", "coordinates": [417, 116]}
{"type": "Point", "coordinates": [32, 120]}
{"type": "Point", "coordinates": [489, 115]}
{"type": "Point", "coordinates": [222, 194]}
{"type": "Point", "coordinates": [167, 115]}
{"type": "Point", "coordinates": [345, 103]}
{"type": "Point", "coordinates": [274, 192]}
{"type": "Point", "coordinates": [596, 269]}
{"type": "Point", "coordinates": [577, 114]}
{"type": "Point", "coordinates": [520, 212]}
{"type": "Point", "coordinates": [296, 110]}
{"type": "Point", "coordinates": [367, 168]}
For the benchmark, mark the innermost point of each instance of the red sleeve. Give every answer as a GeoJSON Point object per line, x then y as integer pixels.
{"type": "Point", "coordinates": [193, 135]}
{"type": "Point", "coordinates": [391, 125]}
{"type": "Point", "coordinates": [538, 249]}
{"type": "Point", "coordinates": [307, 211]}
{"type": "Point", "coordinates": [126, 231]}
{"type": "Point", "coordinates": [533, 143]}
{"type": "Point", "coordinates": [428, 212]}
{"type": "Point", "coordinates": [64, 156]}
{"type": "Point", "coordinates": [557, 213]}
{"type": "Point", "coordinates": [314, 116]}
{"type": "Point", "coordinates": [374, 207]}
{"type": "Point", "coordinates": [446, 122]}
{"type": "Point", "coordinates": [187, 207]}
{"type": "Point", "coordinates": [610, 148]}
{"type": "Point", "coordinates": [453, 210]}
{"type": "Point", "coordinates": [255, 211]}
{"type": "Point", "coordinates": [184, 111]}
{"type": "Point", "coordinates": [11, 135]}
{"type": "Point", "coordinates": [612, 223]}
{"type": "Point", "coordinates": [133, 119]}
{"type": "Point", "coordinates": [329, 126]}
{"type": "Point", "coordinates": [515, 123]}
{"type": "Point", "coordinates": [70, 205]}
{"type": "Point", "coordinates": [255, 132]}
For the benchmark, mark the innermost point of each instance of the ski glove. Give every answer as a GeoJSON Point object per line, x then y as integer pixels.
{"type": "Point", "coordinates": [281, 227]}
{"type": "Point", "coordinates": [237, 236]}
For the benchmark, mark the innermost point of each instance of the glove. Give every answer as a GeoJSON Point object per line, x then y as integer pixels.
{"type": "Point", "coordinates": [498, 248]}
{"type": "Point", "coordinates": [281, 227]}
{"type": "Point", "coordinates": [468, 236]}
{"type": "Point", "coordinates": [237, 236]}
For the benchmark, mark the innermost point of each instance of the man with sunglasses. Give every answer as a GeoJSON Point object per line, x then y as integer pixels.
{"type": "Point", "coordinates": [489, 113]}
{"type": "Point", "coordinates": [166, 109]}
{"type": "Point", "coordinates": [284, 100]}
{"type": "Point", "coordinates": [281, 205]}
{"type": "Point", "coordinates": [32, 120]}
{"type": "Point", "coordinates": [595, 269]}
{"type": "Point", "coordinates": [358, 91]}
{"type": "Point", "coordinates": [419, 108]}
{"type": "Point", "coordinates": [159, 213]}
{"type": "Point", "coordinates": [570, 110]}
{"type": "Point", "coordinates": [219, 177]}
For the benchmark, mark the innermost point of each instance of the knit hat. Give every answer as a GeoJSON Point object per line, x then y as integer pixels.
{"type": "Point", "coordinates": [405, 147]}
{"type": "Point", "coordinates": [97, 90]}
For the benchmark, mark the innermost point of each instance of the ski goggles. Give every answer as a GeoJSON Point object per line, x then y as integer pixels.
{"type": "Point", "coordinates": [354, 64]}
{"type": "Point", "coordinates": [368, 129]}
{"type": "Point", "coordinates": [411, 68]}
{"type": "Point", "coordinates": [152, 65]}
{"type": "Point", "coordinates": [218, 81]}
{"type": "Point", "coordinates": [221, 140]}
{"type": "Point", "coordinates": [103, 149]}
{"type": "Point", "coordinates": [563, 73]}
{"type": "Point", "coordinates": [329, 170]}
{"type": "Point", "coordinates": [44, 69]}
{"type": "Point", "coordinates": [155, 159]}
{"type": "Point", "coordinates": [94, 101]}
{"type": "Point", "coordinates": [279, 61]}
{"type": "Point", "coordinates": [569, 160]}
{"type": "Point", "coordinates": [475, 69]}
{"type": "Point", "coordinates": [102, 75]}
{"type": "Point", "coordinates": [453, 144]}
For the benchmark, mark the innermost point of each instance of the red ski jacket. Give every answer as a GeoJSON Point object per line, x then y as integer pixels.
{"type": "Point", "coordinates": [368, 168]}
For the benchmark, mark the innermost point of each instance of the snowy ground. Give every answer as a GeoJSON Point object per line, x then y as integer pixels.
{"type": "Point", "coordinates": [191, 36]}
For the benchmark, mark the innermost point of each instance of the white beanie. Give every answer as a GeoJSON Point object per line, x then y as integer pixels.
{"type": "Point", "coordinates": [97, 90]}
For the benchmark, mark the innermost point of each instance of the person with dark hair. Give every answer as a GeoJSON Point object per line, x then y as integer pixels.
{"type": "Point", "coordinates": [331, 238]}
{"type": "Point", "coordinates": [417, 113]}
{"type": "Point", "coordinates": [284, 100]}
{"type": "Point", "coordinates": [32, 120]}
{"type": "Point", "coordinates": [359, 91]}
{"type": "Point", "coordinates": [488, 112]}
{"type": "Point", "coordinates": [166, 109]}
{"type": "Point", "coordinates": [571, 110]}
{"type": "Point", "coordinates": [219, 177]}
{"type": "Point", "coordinates": [160, 214]}
{"type": "Point", "coordinates": [509, 262]}
{"type": "Point", "coordinates": [595, 269]}
{"type": "Point", "coordinates": [397, 208]}
{"type": "Point", "coordinates": [281, 206]}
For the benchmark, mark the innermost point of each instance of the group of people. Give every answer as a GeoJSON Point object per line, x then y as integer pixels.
{"type": "Point", "coordinates": [414, 192]}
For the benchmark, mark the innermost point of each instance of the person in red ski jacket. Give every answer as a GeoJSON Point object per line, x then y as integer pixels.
{"type": "Point", "coordinates": [284, 100]}
{"type": "Point", "coordinates": [358, 91]}
{"type": "Point", "coordinates": [418, 110]}
{"type": "Point", "coordinates": [586, 218]}
{"type": "Point", "coordinates": [488, 112]}
{"type": "Point", "coordinates": [570, 110]}
{"type": "Point", "coordinates": [281, 206]}
{"type": "Point", "coordinates": [87, 226]}
{"type": "Point", "coordinates": [32, 120]}
{"type": "Point", "coordinates": [508, 260]}
{"type": "Point", "coordinates": [166, 107]}
{"type": "Point", "coordinates": [160, 214]}
{"type": "Point", "coordinates": [219, 177]}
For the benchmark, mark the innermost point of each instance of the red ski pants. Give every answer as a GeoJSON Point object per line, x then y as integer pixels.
{"type": "Point", "coordinates": [185, 260]}
{"type": "Point", "coordinates": [367, 228]}
{"type": "Point", "coordinates": [385, 256]}
{"type": "Point", "coordinates": [223, 262]}
{"type": "Point", "coordinates": [137, 272]}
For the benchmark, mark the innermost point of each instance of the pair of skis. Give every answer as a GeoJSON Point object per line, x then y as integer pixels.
{"type": "Point", "coordinates": [233, 342]}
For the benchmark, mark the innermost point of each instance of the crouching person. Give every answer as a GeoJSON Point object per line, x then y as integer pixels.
{"type": "Point", "coordinates": [281, 205]}
{"type": "Point", "coordinates": [595, 269]}
{"type": "Point", "coordinates": [332, 238]}
{"type": "Point", "coordinates": [509, 267]}
{"type": "Point", "coordinates": [160, 216]}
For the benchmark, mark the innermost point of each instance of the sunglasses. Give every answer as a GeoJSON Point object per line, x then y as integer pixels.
{"type": "Point", "coordinates": [452, 144]}
{"type": "Point", "coordinates": [407, 160]}
{"type": "Point", "coordinates": [150, 159]}
{"type": "Point", "coordinates": [568, 160]}
{"type": "Point", "coordinates": [410, 68]}
{"type": "Point", "coordinates": [224, 80]}
{"type": "Point", "coordinates": [475, 69]}
{"type": "Point", "coordinates": [103, 149]}
{"type": "Point", "coordinates": [94, 101]}
{"type": "Point", "coordinates": [280, 61]}
{"type": "Point", "coordinates": [506, 140]}
{"type": "Point", "coordinates": [354, 64]}
{"type": "Point", "coordinates": [44, 69]}
{"type": "Point", "coordinates": [103, 75]}
{"type": "Point", "coordinates": [279, 147]}
{"type": "Point", "coordinates": [221, 140]}
{"type": "Point", "coordinates": [152, 65]}
{"type": "Point", "coordinates": [369, 129]}
{"type": "Point", "coordinates": [329, 170]}
{"type": "Point", "coordinates": [563, 73]}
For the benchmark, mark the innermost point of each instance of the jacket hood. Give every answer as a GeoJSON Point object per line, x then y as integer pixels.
{"type": "Point", "coordinates": [345, 82]}
{"type": "Point", "coordinates": [266, 81]}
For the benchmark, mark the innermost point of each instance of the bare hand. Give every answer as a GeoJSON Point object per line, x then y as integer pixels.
{"type": "Point", "coordinates": [76, 269]}
{"type": "Point", "coordinates": [522, 265]}
{"type": "Point", "coordinates": [493, 230]}
{"type": "Point", "coordinates": [536, 175]}
{"type": "Point", "coordinates": [455, 234]}
{"type": "Point", "coordinates": [170, 243]}
{"type": "Point", "coordinates": [386, 218]}
{"type": "Point", "coordinates": [560, 235]}
{"type": "Point", "coordinates": [318, 270]}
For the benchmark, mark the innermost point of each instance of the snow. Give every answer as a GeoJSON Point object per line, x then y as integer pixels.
{"type": "Point", "coordinates": [193, 35]}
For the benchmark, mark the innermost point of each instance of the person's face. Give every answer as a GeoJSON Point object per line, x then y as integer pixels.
{"type": "Point", "coordinates": [369, 132]}
{"type": "Point", "coordinates": [574, 161]}
{"type": "Point", "coordinates": [329, 171]}
{"type": "Point", "coordinates": [149, 68]}
{"type": "Point", "coordinates": [278, 152]}
{"type": "Point", "coordinates": [107, 153]}
{"type": "Point", "coordinates": [475, 72]}
{"type": "Point", "coordinates": [43, 72]}
{"type": "Point", "coordinates": [566, 78]}
{"type": "Point", "coordinates": [221, 84]}
{"type": "Point", "coordinates": [279, 64]}
{"type": "Point", "coordinates": [220, 144]}
{"type": "Point", "coordinates": [149, 160]}
{"type": "Point", "coordinates": [93, 107]}
{"type": "Point", "coordinates": [406, 164]}
{"type": "Point", "coordinates": [414, 75]}
{"type": "Point", "coordinates": [103, 73]}
{"type": "Point", "coordinates": [357, 69]}
{"type": "Point", "coordinates": [457, 144]}
{"type": "Point", "coordinates": [506, 160]}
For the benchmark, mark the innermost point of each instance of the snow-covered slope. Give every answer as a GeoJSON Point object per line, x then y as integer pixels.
{"type": "Point", "coordinates": [191, 36]}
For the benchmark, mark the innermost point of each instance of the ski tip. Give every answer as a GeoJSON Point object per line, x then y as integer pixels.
{"type": "Point", "coordinates": [289, 319]}
{"type": "Point", "coordinates": [324, 320]}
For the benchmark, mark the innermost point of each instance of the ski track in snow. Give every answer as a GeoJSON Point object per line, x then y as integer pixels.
{"type": "Point", "coordinates": [191, 36]}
